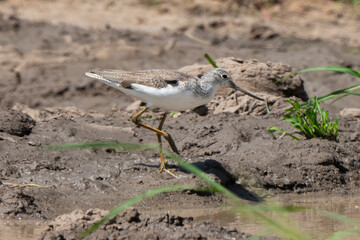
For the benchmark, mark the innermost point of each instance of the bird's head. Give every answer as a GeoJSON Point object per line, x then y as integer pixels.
{"type": "Point", "coordinates": [224, 79]}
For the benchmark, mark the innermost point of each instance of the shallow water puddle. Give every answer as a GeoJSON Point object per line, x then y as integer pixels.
{"type": "Point", "coordinates": [21, 229]}
{"type": "Point", "coordinates": [321, 226]}
{"type": "Point", "coordinates": [311, 221]}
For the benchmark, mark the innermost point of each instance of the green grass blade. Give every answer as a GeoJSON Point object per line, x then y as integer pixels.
{"type": "Point", "coordinates": [260, 235]}
{"type": "Point", "coordinates": [211, 61]}
{"type": "Point", "coordinates": [271, 129]}
{"type": "Point", "coordinates": [343, 234]}
{"type": "Point", "coordinates": [341, 218]}
{"type": "Point", "coordinates": [346, 91]}
{"type": "Point", "coordinates": [148, 119]}
{"type": "Point", "coordinates": [172, 114]}
{"type": "Point", "coordinates": [267, 107]}
{"type": "Point", "coordinates": [310, 119]}
{"type": "Point", "coordinates": [325, 68]}
{"type": "Point", "coordinates": [125, 146]}
{"type": "Point", "coordinates": [335, 94]}
{"type": "Point", "coordinates": [333, 69]}
{"type": "Point", "coordinates": [347, 94]}
{"type": "Point", "coordinates": [339, 92]}
{"type": "Point", "coordinates": [274, 208]}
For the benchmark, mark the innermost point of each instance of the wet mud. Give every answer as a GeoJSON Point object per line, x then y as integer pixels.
{"type": "Point", "coordinates": [45, 99]}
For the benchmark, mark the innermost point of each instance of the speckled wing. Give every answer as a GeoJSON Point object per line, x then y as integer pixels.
{"type": "Point", "coordinates": [156, 78]}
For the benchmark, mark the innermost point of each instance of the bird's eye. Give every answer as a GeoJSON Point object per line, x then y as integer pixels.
{"type": "Point", "coordinates": [224, 76]}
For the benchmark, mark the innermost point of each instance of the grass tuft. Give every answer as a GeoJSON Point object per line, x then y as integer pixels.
{"type": "Point", "coordinates": [312, 121]}
{"type": "Point", "coordinates": [309, 117]}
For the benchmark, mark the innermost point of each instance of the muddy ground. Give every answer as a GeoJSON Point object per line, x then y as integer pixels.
{"type": "Point", "coordinates": [45, 99]}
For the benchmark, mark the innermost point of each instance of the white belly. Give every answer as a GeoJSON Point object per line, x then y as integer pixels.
{"type": "Point", "coordinates": [169, 98]}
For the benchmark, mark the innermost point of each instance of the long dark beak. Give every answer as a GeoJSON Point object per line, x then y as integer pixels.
{"type": "Point", "coordinates": [233, 85]}
{"type": "Point", "coordinates": [247, 93]}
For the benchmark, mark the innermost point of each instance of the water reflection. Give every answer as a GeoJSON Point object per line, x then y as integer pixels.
{"type": "Point", "coordinates": [319, 226]}
{"type": "Point", "coordinates": [311, 220]}
{"type": "Point", "coordinates": [21, 229]}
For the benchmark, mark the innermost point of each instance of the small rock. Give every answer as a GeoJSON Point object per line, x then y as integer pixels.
{"type": "Point", "coordinates": [350, 112]}
{"type": "Point", "coordinates": [16, 123]}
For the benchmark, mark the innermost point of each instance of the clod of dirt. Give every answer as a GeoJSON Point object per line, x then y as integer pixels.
{"type": "Point", "coordinates": [245, 105]}
{"type": "Point", "coordinates": [350, 112]}
{"type": "Point", "coordinates": [133, 225]}
{"type": "Point", "coordinates": [264, 32]}
{"type": "Point", "coordinates": [9, 22]}
{"type": "Point", "coordinates": [17, 203]}
{"type": "Point", "coordinates": [16, 123]}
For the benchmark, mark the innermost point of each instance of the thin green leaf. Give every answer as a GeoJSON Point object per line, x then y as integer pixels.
{"type": "Point", "coordinates": [126, 146]}
{"type": "Point", "coordinates": [273, 208]}
{"type": "Point", "coordinates": [211, 61]}
{"type": "Point", "coordinates": [343, 234]}
{"type": "Point", "coordinates": [336, 94]}
{"type": "Point", "coordinates": [345, 95]}
{"type": "Point", "coordinates": [267, 107]}
{"type": "Point", "coordinates": [271, 129]}
{"type": "Point", "coordinates": [148, 119]}
{"type": "Point", "coordinates": [333, 69]}
{"type": "Point", "coordinates": [132, 201]}
{"type": "Point", "coordinates": [325, 68]}
{"type": "Point", "coordinates": [172, 114]}
{"type": "Point", "coordinates": [341, 218]}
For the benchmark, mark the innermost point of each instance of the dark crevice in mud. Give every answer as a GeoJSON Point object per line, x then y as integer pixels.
{"type": "Point", "coordinates": [337, 164]}
{"type": "Point", "coordinates": [294, 187]}
{"type": "Point", "coordinates": [294, 92]}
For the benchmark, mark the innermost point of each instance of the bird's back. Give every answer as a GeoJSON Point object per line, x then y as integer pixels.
{"type": "Point", "coordinates": [156, 78]}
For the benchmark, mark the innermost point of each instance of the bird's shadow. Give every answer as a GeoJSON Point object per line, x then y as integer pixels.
{"type": "Point", "coordinates": [216, 171]}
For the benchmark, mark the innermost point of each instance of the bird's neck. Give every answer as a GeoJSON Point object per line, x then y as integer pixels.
{"type": "Point", "coordinates": [206, 88]}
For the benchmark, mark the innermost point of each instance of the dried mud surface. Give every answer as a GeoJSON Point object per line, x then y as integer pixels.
{"type": "Point", "coordinates": [45, 99]}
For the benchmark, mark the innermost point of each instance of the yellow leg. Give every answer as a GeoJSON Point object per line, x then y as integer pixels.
{"type": "Point", "coordinates": [162, 133]}
{"type": "Point", "coordinates": [162, 165]}
{"type": "Point", "coordinates": [159, 133]}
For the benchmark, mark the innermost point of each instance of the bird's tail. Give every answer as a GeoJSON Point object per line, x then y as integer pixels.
{"type": "Point", "coordinates": [97, 74]}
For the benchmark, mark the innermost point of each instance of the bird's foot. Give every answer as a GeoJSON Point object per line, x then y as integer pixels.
{"type": "Point", "coordinates": [168, 170]}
